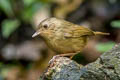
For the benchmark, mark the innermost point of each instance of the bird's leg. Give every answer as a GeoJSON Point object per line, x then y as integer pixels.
{"type": "Point", "coordinates": [62, 55]}
{"type": "Point", "coordinates": [68, 54]}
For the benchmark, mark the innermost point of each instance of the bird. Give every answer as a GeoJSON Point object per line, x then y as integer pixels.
{"type": "Point", "coordinates": [64, 37]}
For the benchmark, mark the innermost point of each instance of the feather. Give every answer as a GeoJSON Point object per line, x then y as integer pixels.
{"type": "Point", "coordinates": [77, 32]}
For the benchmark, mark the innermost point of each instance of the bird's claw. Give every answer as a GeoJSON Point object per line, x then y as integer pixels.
{"type": "Point", "coordinates": [54, 58]}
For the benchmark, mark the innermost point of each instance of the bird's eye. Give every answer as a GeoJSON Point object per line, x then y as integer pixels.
{"type": "Point", "coordinates": [45, 26]}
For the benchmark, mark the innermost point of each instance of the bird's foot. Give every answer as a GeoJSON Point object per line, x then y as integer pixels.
{"type": "Point", "coordinates": [54, 58]}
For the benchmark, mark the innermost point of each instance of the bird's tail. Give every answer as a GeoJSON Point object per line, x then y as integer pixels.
{"type": "Point", "coordinates": [101, 33]}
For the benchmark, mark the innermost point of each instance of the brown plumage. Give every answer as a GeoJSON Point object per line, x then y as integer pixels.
{"type": "Point", "coordinates": [63, 36]}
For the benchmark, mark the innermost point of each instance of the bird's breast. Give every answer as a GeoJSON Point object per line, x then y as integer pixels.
{"type": "Point", "coordinates": [61, 44]}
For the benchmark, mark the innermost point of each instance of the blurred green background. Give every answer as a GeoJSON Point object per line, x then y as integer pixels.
{"type": "Point", "coordinates": [24, 58]}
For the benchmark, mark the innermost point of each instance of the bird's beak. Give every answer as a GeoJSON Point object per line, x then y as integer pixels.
{"type": "Point", "coordinates": [36, 33]}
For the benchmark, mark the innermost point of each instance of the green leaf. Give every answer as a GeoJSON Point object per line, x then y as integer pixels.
{"type": "Point", "coordinates": [4, 72]}
{"type": "Point", "coordinates": [9, 26]}
{"type": "Point", "coordinates": [1, 64]}
{"type": "Point", "coordinates": [28, 12]}
{"type": "Point", "coordinates": [103, 47]}
{"type": "Point", "coordinates": [5, 5]}
{"type": "Point", "coordinates": [115, 24]}
{"type": "Point", "coordinates": [46, 1]}
{"type": "Point", "coordinates": [29, 2]}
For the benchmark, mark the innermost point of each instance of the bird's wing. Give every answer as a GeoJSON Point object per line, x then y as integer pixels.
{"type": "Point", "coordinates": [78, 32]}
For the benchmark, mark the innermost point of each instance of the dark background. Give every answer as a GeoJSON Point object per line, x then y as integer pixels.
{"type": "Point", "coordinates": [25, 58]}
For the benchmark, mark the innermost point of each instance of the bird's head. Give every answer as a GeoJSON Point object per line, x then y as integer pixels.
{"type": "Point", "coordinates": [47, 26]}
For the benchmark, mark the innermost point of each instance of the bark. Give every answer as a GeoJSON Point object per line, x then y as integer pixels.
{"type": "Point", "coordinates": [106, 67]}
